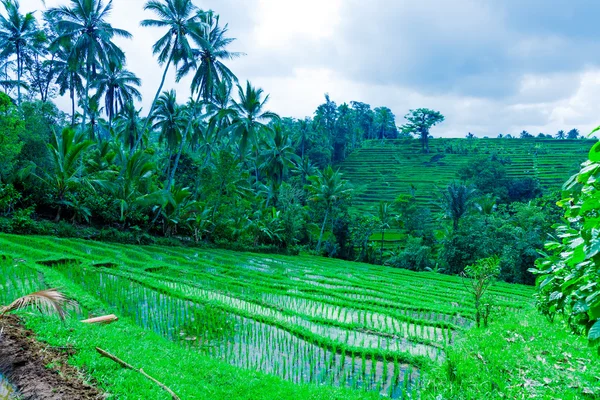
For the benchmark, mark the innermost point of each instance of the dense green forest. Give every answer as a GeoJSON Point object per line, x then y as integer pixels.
{"type": "Point", "coordinates": [220, 168]}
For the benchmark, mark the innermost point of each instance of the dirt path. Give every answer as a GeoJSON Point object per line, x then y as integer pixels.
{"type": "Point", "coordinates": [23, 361]}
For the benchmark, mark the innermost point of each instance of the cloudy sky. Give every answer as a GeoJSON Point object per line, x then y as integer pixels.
{"type": "Point", "coordinates": [490, 66]}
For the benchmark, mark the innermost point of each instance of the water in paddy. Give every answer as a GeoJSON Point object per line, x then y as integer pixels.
{"type": "Point", "coordinates": [7, 391]}
{"type": "Point", "coordinates": [247, 343]}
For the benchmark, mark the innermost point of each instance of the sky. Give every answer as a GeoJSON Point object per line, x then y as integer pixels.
{"type": "Point", "coordinates": [489, 66]}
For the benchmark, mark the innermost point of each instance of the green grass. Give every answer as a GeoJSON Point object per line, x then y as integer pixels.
{"type": "Point", "coordinates": [518, 357]}
{"type": "Point", "coordinates": [219, 324]}
{"type": "Point", "coordinates": [384, 171]}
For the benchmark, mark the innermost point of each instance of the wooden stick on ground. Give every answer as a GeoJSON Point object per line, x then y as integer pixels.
{"type": "Point", "coordinates": [122, 363]}
{"type": "Point", "coordinates": [106, 319]}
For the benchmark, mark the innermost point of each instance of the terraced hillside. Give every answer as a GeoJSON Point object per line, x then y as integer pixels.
{"type": "Point", "coordinates": [384, 171]}
{"type": "Point", "coordinates": [363, 329]}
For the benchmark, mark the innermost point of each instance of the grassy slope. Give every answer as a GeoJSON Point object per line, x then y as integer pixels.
{"type": "Point", "coordinates": [518, 357]}
{"type": "Point", "coordinates": [382, 172]}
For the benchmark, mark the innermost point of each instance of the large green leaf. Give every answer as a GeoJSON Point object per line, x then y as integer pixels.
{"type": "Point", "coordinates": [594, 311]}
{"type": "Point", "coordinates": [595, 152]}
{"type": "Point", "coordinates": [594, 333]}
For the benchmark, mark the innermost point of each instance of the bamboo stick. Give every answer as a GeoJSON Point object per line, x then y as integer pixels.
{"type": "Point", "coordinates": [122, 363]}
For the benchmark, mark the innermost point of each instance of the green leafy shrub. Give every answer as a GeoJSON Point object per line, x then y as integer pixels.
{"type": "Point", "coordinates": [415, 256]}
{"type": "Point", "coordinates": [569, 274]}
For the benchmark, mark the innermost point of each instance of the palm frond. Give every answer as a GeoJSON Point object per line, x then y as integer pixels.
{"type": "Point", "coordinates": [49, 302]}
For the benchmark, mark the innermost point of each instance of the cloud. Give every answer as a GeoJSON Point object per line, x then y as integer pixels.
{"type": "Point", "coordinates": [489, 66]}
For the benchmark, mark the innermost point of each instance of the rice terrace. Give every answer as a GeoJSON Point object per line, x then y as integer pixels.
{"type": "Point", "coordinates": [304, 319]}
{"type": "Point", "coordinates": [299, 200]}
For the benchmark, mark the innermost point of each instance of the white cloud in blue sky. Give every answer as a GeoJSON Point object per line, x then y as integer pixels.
{"type": "Point", "coordinates": [489, 66]}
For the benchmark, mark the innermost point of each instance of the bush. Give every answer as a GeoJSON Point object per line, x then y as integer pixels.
{"type": "Point", "coordinates": [415, 256]}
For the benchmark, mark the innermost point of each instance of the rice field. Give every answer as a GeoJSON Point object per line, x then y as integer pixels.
{"type": "Point", "coordinates": [305, 319]}
{"type": "Point", "coordinates": [384, 171]}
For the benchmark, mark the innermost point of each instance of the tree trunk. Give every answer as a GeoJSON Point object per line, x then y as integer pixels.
{"type": "Point", "coordinates": [87, 95]}
{"type": "Point", "coordinates": [18, 75]}
{"type": "Point", "coordinates": [381, 251]}
{"type": "Point", "coordinates": [175, 164]}
{"type": "Point", "coordinates": [156, 96]}
{"type": "Point", "coordinates": [322, 229]}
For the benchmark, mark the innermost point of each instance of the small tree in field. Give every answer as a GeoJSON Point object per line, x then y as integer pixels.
{"type": "Point", "coordinates": [482, 276]}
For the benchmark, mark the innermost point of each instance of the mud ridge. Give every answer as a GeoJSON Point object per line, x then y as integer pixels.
{"type": "Point", "coordinates": [23, 361]}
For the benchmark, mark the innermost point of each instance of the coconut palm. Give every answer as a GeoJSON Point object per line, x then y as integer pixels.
{"type": "Point", "coordinates": [207, 62]}
{"type": "Point", "coordinates": [118, 86]}
{"type": "Point", "coordinates": [329, 189]}
{"type": "Point", "coordinates": [219, 110]}
{"type": "Point", "coordinates": [180, 17]}
{"type": "Point", "coordinates": [128, 125]}
{"type": "Point", "coordinates": [170, 119]}
{"type": "Point", "coordinates": [68, 72]}
{"type": "Point", "coordinates": [85, 24]}
{"type": "Point", "coordinates": [17, 32]}
{"type": "Point", "coordinates": [250, 117]}
{"type": "Point", "coordinates": [278, 155]}
{"type": "Point", "coordinates": [561, 135]}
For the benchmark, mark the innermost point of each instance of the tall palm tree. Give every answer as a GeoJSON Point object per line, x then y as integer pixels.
{"type": "Point", "coordinates": [17, 32]}
{"type": "Point", "coordinates": [328, 188]}
{"type": "Point", "coordinates": [68, 72]}
{"type": "Point", "coordinates": [180, 17]}
{"type": "Point", "coordinates": [128, 125]}
{"type": "Point", "coordinates": [85, 24]}
{"type": "Point", "coordinates": [118, 86]}
{"type": "Point", "coordinates": [219, 110]}
{"type": "Point", "coordinates": [251, 119]}
{"type": "Point", "coordinates": [278, 155]}
{"type": "Point", "coordinates": [207, 60]}
{"type": "Point", "coordinates": [561, 135]}
{"type": "Point", "coordinates": [171, 120]}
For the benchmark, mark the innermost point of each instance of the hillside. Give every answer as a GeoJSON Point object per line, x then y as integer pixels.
{"type": "Point", "coordinates": [304, 319]}
{"type": "Point", "coordinates": [382, 171]}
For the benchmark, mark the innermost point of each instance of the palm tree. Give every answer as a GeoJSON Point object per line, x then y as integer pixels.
{"type": "Point", "coordinates": [180, 17]}
{"type": "Point", "coordinates": [278, 155]}
{"type": "Point", "coordinates": [327, 188]}
{"type": "Point", "coordinates": [85, 25]}
{"type": "Point", "coordinates": [561, 135]}
{"type": "Point", "coordinates": [133, 189]}
{"type": "Point", "coordinates": [66, 153]}
{"type": "Point", "coordinates": [210, 71]}
{"type": "Point", "coordinates": [128, 125]}
{"type": "Point", "coordinates": [250, 117]}
{"type": "Point", "coordinates": [219, 110]}
{"type": "Point", "coordinates": [573, 134]}
{"type": "Point", "coordinates": [170, 119]}
{"type": "Point", "coordinates": [17, 31]}
{"type": "Point", "coordinates": [456, 201]}
{"type": "Point", "coordinates": [118, 86]}
{"type": "Point", "coordinates": [68, 72]}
